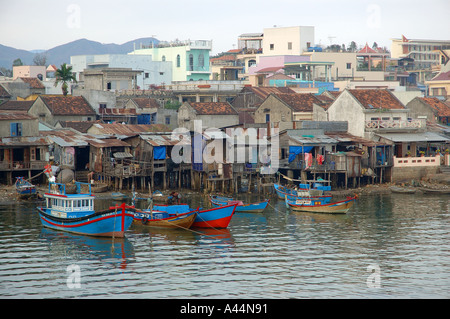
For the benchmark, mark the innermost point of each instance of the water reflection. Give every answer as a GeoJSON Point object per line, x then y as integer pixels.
{"type": "Point", "coordinates": [117, 251]}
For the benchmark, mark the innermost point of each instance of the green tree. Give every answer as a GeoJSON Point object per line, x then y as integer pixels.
{"type": "Point", "coordinates": [17, 62]}
{"type": "Point", "coordinates": [64, 75]}
{"type": "Point", "coordinates": [352, 47]}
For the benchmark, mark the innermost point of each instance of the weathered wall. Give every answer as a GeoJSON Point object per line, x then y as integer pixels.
{"type": "Point", "coordinates": [406, 174]}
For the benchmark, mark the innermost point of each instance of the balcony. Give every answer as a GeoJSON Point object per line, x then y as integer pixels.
{"type": "Point", "coordinates": [389, 125]}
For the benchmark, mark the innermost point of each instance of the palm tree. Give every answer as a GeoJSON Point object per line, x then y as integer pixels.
{"type": "Point", "coordinates": [64, 75]}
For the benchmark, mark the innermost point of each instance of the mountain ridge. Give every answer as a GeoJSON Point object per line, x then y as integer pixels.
{"type": "Point", "coordinates": [61, 54]}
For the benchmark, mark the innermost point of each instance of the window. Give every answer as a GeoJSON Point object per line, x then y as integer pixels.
{"type": "Point", "coordinates": [108, 86]}
{"type": "Point", "coordinates": [201, 61]}
{"type": "Point", "coordinates": [167, 120]}
{"type": "Point", "coordinates": [349, 66]}
{"type": "Point", "coordinates": [191, 62]}
{"type": "Point", "coordinates": [147, 75]}
{"type": "Point", "coordinates": [178, 61]}
{"type": "Point", "coordinates": [289, 45]}
{"type": "Point", "coordinates": [272, 46]}
{"type": "Point", "coordinates": [16, 129]}
{"type": "Point", "coordinates": [267, 118]}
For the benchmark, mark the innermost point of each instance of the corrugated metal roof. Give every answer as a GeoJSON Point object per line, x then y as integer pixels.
{"type": "Point", "coordinates": [414, 137]}
{"type": "Point", "coordinates": [310, 137]}
{"type": "Point", "coordinates": [164, 139]}
{"type": "Point", "coordinates": [24, 141]}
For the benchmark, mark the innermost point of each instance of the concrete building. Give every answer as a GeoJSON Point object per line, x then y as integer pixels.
{"type": "Point", "coordinates": [287, 40]}
{"type": "Point", "coordinates": [189, 59]}
{"type": "Point", "coordinates": [424, 53]}
{"type": "Point", "coordinates": [153, 73]}
{"type": "Point", "coordinates": [211, 115]}
{"type": "Point", "coordinates": [30, 71]}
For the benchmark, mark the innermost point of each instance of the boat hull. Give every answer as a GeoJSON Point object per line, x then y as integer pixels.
{"type": "Point", "coordinates": [178, 221]}
{"type": "Point", "coordinates": [218, 217]}
{"type": "Point", "coordinates": [218, 201]}
{"type": "Point", "coordinates": [282, 192]}
{"type": "Point", "coordinates": [341, 207]}
{"type": "Point", "coordinates": [109, 223]}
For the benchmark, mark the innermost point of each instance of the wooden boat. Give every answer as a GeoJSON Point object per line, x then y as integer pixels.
{"type": "Point", "coordinates": [258, 207]}
{"type": "Point", "coordinates": [318, 206]}
{"type": "Point", "coordinates": [75, 213]}
{"type": "Point", "coordinates": [24, 188]}
{"type": "Point", "coordinates": [301, 193]}
{"type": "Point", "coordinates": [162, 219]}
{"type": "Point", "coordinates": [427, 190]}
{"type": "Point", "coordinates": [99, 188]}
{"type": "Point", "coordinates": [218, 217]}
{"type": "Point", "coordinates": [403, 190]}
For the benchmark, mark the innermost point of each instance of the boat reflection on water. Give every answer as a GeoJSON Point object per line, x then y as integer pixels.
{"type": "Point", "coordinates": [109, 250]}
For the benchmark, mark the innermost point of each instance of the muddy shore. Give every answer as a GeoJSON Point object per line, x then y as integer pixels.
{"type": "Point", "coordinates": [437, 181]}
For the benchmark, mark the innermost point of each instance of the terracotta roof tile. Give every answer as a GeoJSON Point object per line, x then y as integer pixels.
{"type": "Point", "coordinates": [16, 105]}
{"type": "Point", "coordinates": [213, 108]}
{"type": "Point", "coordinates": [376, 99]}
{"type": "Point", "coordinates": [300, 102]}
{"type": "Point", "coordinates": [4, 93]}
{"type": "Point", "coordinates": [68, 105]}
{"type": "Point", "coordinates": [34, 83]}
{"type": "Point", "coordinates": [443, 76]}
{"type": "Point", "coordinates": [439, 106]}
{"type": "Point", "coordinates": [142, 103]}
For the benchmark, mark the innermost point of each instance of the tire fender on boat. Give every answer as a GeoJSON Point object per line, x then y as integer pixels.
{"type": "Point", "coordinates": [144, 220]}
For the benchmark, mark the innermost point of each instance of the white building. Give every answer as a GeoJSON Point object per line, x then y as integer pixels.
{"type": "Point", "coordinates": [153, 72]}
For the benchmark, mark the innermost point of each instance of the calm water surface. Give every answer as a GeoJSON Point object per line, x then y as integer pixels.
{"type": "Point", "coordinates": [275, 254]}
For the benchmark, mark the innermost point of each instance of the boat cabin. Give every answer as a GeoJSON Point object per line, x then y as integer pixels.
{"type": "Point", "coordinates": [61, 204]}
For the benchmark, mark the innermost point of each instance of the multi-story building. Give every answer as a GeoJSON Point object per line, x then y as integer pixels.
{"type": "Point", "coordinates": [424, 52]}
{"type": "Point", "coordinates": [189, 59]}
{"type": "Point", "coordinates": [152, 72]}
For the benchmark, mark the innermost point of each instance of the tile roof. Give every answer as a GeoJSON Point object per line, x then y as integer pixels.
{"type": "Point", "coordinates": [16, 105]}
{"type": "Point", "coordinates": [15, 115]}
{"type": "Point", "coordinates": [213, 108]}
{"type": "Point", "coordinates": [130, 129]}
{"type": "Point", "coordinates": [366, 49]}
{"type": "Point", "coordinates": [263, 92]}
{"type": "Point", "coordinates": [4, 93]}
{"type": "Point", "coordinates": [34, 83]}
{"type": "Point", "coordinates": [442, 76]}
{"type": "Point", "coordinates": [376, 99]}
{"type": "Point", "coordinates": [442, 109]}
{"type": "Point", "coordinates": [67, 105]}
{"type": "Point", "coordinates": [299, 102]}
{"type": "Point", "coordinates": [143, 102]}
{"type": "Point", "coordinates": [80, 126]}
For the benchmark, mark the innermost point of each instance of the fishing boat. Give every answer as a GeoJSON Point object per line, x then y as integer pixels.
{"type": "Point", "coordinates": [24, 188]}
{"type": "Point", "coordinates": [75, 212]}
{"type": "Point", "coordinates": [164, 219]}
{"type": "Point", "coordinates": [436, 191]}
{"type": "Point", "coordinates": [318, 206]}
{"type": "Point", "coordinates": [304, 192]}
{"type": "Point", "coordinates": [403, 190]}
{"type": "Point", "coordinates": [258, 207]}
{"type": "Point", "coordinates": [218, 217]}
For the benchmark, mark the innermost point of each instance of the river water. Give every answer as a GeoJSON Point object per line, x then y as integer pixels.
{"type": "Point", "coordinates": [386, 246]}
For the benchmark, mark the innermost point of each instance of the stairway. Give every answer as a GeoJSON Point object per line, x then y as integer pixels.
{"type": "Point", "coordinates": [445, 169]}
{"type": "Point", "coordinates": [82, 176]}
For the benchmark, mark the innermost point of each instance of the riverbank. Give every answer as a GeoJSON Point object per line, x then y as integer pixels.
{"type": "Point", "coordinates": [437, 181]}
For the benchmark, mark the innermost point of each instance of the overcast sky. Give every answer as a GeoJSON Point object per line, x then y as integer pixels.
{"type": "Point", "coordinates": [44, 24]}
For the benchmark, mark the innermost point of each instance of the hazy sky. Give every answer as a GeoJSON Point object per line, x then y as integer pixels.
{"type": "Point", "coordinates": [43, 24]}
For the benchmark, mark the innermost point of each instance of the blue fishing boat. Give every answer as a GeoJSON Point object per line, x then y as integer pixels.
{"type": "Point", "coordinates": [258, 207]}
{"type": "Point", "coordinates": [24, 188]}
{"type": "Point", "coordinates": [74, 212]}
{"type": "Point", "coordinates": [303, 192]}
{"type": "Point", "coordinates": [218, 217]}
{"type": "Point", "coordinates": [319, 206]}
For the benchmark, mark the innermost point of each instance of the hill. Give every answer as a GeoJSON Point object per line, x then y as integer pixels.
{"type": "Point", "coordinates": [61, 54]}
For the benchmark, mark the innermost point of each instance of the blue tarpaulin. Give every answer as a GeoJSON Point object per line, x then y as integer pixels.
{"type": "Point", "coordinates": [159, 152]}
{"type": "Point", "coordinates": [295, 150]}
